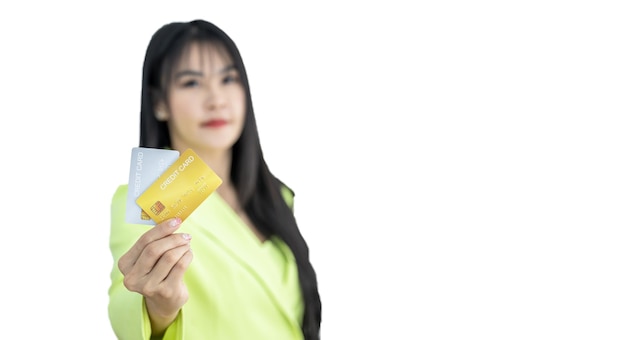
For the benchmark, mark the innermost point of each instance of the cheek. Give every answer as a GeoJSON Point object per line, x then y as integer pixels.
{"type": "Point", "coordinates": [176, 104]}
{"type": "Point", "coordinates": [183, 106]}
{"type": "Point", "coordinates": [239, 104]}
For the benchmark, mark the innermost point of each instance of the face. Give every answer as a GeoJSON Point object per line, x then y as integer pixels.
{"type": "Point", "coordinates": [207, 103]}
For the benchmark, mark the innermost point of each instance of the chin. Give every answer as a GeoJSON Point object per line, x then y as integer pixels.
{"type": "Point", "coordinates": [219, 145]}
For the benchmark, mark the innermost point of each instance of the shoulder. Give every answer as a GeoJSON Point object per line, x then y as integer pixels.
{"type": "Point", "coordinates": [287, 193]}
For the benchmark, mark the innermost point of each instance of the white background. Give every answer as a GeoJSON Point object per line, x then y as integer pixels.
{"type": "Point", "coordinates": [459, 165]}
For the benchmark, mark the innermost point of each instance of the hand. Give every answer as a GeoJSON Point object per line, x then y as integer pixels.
{"type": "Point", "coordinates": [154, 267]}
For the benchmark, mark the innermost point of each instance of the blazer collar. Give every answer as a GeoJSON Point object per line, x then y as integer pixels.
{"type": "Point", "coordinates": [231, 233]}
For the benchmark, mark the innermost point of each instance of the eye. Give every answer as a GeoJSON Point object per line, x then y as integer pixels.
{"type": "Point", "coordinates": [190, 83]}
{"type": "Point", "coordinates": [230, 78]}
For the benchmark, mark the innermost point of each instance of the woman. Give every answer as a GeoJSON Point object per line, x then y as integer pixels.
{"type": "Point", "coordinates": [250, 277]}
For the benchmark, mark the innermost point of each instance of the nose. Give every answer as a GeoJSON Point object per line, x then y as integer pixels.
{"type": "Point", "coordinates": [215, 97]}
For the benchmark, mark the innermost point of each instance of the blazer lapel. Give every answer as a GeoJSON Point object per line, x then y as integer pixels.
{"type": "Point", "coordinates": [230, 232]}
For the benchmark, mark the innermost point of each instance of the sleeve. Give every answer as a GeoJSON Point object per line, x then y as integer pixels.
{"type": "Point", "coordinates": [127, 311]}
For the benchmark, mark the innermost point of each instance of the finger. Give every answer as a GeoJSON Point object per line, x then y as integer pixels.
{"type": "Point", "coordinates": [179, 269]}
{"type": "Point", "coordinates": [161, 230]}
{"type": "Point", "coordinates": [167, 263]}
{"type": "Point", "coordinates": [146, 275]}
{"type": "Point", "coordinates": [156, 250]}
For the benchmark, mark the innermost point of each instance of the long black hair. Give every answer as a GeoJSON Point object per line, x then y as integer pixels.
{"type": "Point", "coordinates": [258, 190]}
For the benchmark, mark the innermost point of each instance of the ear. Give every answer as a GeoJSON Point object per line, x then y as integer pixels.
{"type": "Point", "coordinates": [161, 113]}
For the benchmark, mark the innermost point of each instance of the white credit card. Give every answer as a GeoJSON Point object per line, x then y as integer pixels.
{"type": "Point", "coordinates": [146, 165]}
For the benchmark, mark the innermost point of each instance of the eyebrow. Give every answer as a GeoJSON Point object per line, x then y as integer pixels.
{"type": "Point", "coordinates": [183, 73]}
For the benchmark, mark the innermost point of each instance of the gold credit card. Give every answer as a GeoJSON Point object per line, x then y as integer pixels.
{"type": "Point", "coordinates": [180, 189]}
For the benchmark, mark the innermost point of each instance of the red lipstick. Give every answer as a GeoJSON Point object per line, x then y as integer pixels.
{"type": "Point", "coordinates": [215, 123]}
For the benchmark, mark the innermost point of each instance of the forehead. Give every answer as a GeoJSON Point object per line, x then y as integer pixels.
{"type": "Point", "coordinates": [204, 56]}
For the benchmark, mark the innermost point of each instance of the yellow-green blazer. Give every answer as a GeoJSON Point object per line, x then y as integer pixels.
{"type": "Point", "coordinates": [239, 287]}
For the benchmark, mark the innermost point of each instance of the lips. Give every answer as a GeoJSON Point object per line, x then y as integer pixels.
{"type": "Point", "coordinates": [214, 123]}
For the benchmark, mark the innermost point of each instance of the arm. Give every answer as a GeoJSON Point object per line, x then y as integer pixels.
{"type": "Point", "coordinates": [147, 291]}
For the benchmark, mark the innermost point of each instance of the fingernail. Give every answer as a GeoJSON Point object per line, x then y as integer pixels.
{"type": "Point", "coordinates": [175, 222]}
{"type": "Point", "coordinates": [186, 236]}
